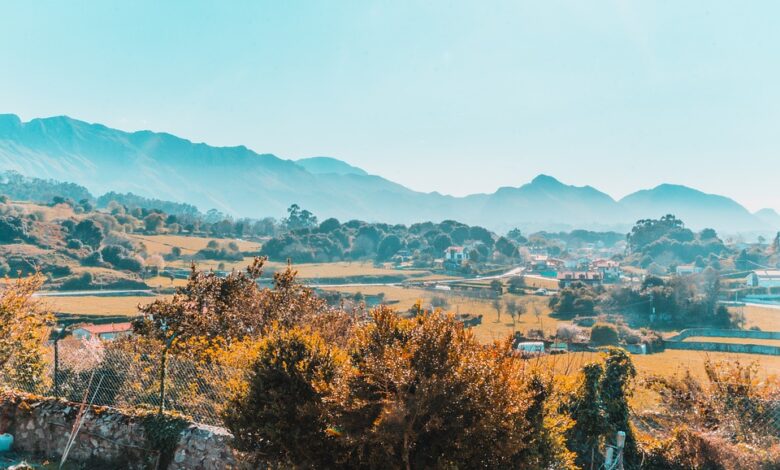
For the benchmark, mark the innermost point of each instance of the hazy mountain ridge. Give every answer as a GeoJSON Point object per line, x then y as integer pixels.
{"type": "Point", "coordinates": [242, 182]}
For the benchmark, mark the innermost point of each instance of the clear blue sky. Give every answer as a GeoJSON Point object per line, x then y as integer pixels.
{"type": "Point", "coordinates": [457, 97]}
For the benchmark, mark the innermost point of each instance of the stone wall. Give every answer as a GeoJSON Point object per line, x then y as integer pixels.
{"type": "Point", "coordinates": [108, 438]}
{"type": "Point", "coordinates": [678, 341]}
{"type": "Point", "coordinates": [722, 333]}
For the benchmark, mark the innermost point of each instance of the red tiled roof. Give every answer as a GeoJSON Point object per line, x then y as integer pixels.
{"type": "Point", "coordinates": [108, 328]}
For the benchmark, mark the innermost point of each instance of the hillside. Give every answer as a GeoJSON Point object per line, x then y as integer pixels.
{"type": "Point", "coordinates": [696, 208]}
{"type": "Point", "coordinates": [242, 182]}
{"type": "Point", "coordinates": [328, 165]}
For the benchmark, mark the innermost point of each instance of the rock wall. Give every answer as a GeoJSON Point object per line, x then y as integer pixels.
{"type": "Point", "coordinates": [678, 341]}
{"type": "Point", "coordinates": [108, 438]}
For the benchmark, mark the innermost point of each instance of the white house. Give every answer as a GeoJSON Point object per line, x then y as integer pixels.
{"type": "Point", "coordinates": [531, 347]}
{"type": "Point", "coordinates": [607, 268]}
{"type": "Point", "coordinates": [688, 269]}
{"type": "Point", "coordinates": [764, 278]}
{"type": "Point", "coordinates": [456, 254]}
{"type": "Point", "coordinates": [105, 332]}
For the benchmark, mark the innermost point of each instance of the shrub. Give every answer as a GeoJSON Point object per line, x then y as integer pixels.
{"type": "Point", "coordinates": [604, 334]}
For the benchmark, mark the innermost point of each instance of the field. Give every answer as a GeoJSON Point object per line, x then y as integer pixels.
{"type": "Point", "coordinates": [162, 244]}
{"type": "Point", "coordinates": [767, 318]}
{"type": "Point", "coordinates": [537, 315]}
{"type": "Point", "coordinates": [97, 305]}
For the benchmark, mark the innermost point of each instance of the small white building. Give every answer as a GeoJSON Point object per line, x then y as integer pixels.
{"type": "Point", "coordinates": [764, 278]}
{"type": "Point", "coordinates": [531, 347]}
{"type": "Point", "coordinates": [688, 269]}
{"type": "Point", "coordinates": [456, 254]}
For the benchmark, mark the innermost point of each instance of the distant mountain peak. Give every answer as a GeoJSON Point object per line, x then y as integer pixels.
{"type": "Point", "coordinates": [545, 180]}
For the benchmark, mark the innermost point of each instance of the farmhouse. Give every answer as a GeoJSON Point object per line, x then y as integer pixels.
{"type": "Point", "coordinates": [567, 278]}
{"type": "Point", "coordinates": [607, 268]}
{"type": "Point", "coordinates": [456, 254]}
{"type": "Point", "coordinates": [105, 332]}
{"type": "Point", "coordinates": [765, 278]}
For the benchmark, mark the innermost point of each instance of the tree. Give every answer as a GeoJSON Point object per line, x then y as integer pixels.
{"type": "Point", "coordinates": [441, 243]}
{"type": "Point", "coordinates": [388, 247]}
{"type": "Point", "coordinates": [516, 285]}
{"type": "Point", "coordinates": [12, 228]}
{"type": "Point", "coordinates": [604, 334]}
{"type": "Point", "coordinates": [497, 306]}
{"type": "Point", "coordinates": [89, 232]}
{"type": "Point", "coordinates": [506, 247]}
{"type": "Point", "coordinates": [213, 311]}
{"type": "Point", "coordinates": [600, 407]}
{"type": "Point", "coordinates": [514, 310]}
{"type": "Point", "coordinates": [154, 222]}
{"type": "Point", "coordinates": [497, 286]}
{"type": "Point", "coordinates": [23, 330]}
{"type": "Point", "coordinates": [425, 394]}
{"type": "Point", "coordinates": [298, 218]}
{"type": "Point", "coordinates": [708, 234]}
{"type": "Point", "coordinates": [283, 413]}
{"type": "Point", "coordinates": [329, 225]}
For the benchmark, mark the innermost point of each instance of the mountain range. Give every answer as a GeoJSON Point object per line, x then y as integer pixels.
{"type": "Point", "coordinates": [241, 182]}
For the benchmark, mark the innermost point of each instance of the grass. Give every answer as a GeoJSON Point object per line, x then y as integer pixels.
{"type": "Point", "coordinates": [163, 282]}
{"type": "Point", "coordinates": [162, 244]}
{"type": "Point", "coordinates": [58, 212]}
{"type": "Point", "coordinates": [540, 282]}
{"type": "Point", "coordinates": [537, 315]}
{"type": "Point", "coordinates": [97, 305]}
{"type": "Point", "coordinates": [765, 318]}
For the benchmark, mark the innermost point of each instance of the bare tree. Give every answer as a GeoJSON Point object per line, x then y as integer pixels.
{"type": "Point", "coordinates": [498, 305]}
{"type": "Point", "coordinates": [514, 310]}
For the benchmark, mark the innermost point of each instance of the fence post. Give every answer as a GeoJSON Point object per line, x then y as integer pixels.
{"type": "Point", "coordinates": [59, 333]}
{"type": "Point", "coordinates": [163, 365]}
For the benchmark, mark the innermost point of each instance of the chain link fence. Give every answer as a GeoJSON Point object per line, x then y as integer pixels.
{"type": "Point", "coordinates": [130, 380]}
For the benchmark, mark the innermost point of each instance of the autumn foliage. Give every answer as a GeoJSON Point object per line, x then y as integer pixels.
{"type": "Point", "coordinates": [23, 331]}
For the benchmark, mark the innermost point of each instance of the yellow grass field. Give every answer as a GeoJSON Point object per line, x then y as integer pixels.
{"type": "Point", "coordinates": [766, 318]}
{"type": "Point", "coordinates": [312, 271]}
{"type": "Point", "coordinates": [97, 305]}
{"type": "Point", "coordinates": [161, 282]}
{"type": "Point", "coordinates": [162, 244]}
{"type": "Point", "coordinates": [58, 212]}
{"type": "Point", "coordinates": [540, 282]}
{"type": "Point", "coordinates": [537, 315]}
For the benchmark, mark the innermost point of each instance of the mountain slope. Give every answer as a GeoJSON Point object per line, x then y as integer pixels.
{"type": "Point", "coordinates": [546, 203]}
{"type": "Point", "coordinates": [698, 209]}
{"type": "Point", "coordinates": [242, 182]}
{"type": "Point", "coordinates": [232, 179]}
{"type": "Point", "coordinates": [770, 217]}
{"type": "Point", "coordinates": [328, 165]}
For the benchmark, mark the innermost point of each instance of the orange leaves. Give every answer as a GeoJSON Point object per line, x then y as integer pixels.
{"type": "Point", "coordinates": [23, 330]}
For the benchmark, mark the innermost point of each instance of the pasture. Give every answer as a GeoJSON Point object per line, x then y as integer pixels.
{"type": "Point", "coordinates": [97, 305]}
{"type": "Point", "coordinates": [162, 244]}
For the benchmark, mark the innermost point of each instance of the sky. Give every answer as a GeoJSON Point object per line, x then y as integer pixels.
{"type": "Point", "coordinates": [448, 96]}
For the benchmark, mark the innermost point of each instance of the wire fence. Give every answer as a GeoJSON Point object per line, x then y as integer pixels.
{"type": "Point", "coordinates": [130, 381]}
